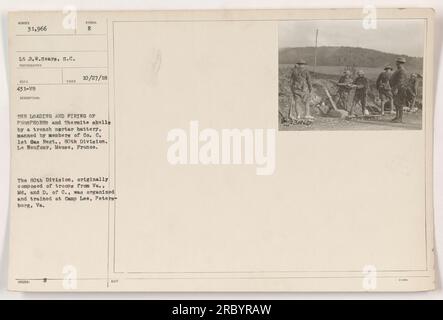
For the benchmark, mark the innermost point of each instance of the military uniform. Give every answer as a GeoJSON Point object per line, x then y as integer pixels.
{"type": "Point", "coordinates": [384, 89]}
{"type": "Point", "coordinates": [412, 91]}
{"type": "Point", "coordinates": [361, 91]}
{"type": "Point", "coordinates": [300, 84]}
{"type": "Point", "coordinates": [399, 85]}
{"type": "Point", "coordinates": [344, 89]}
{"type": "Point", "coordinates": [383, 86]}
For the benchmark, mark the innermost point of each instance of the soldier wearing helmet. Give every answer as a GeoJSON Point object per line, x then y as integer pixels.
{"type": "Point", "coordinates": [399, 85]}
{"type": "Point", "coordinates": [301, 87]}
{"type": "Point", "coordinates": [344, 89]}
{"type": "Point", "coordinates": [361, 84]}
{"type": "Point", "coordinates": [384, 88]}
{"type": "Point", "coordinates": [412, 92]}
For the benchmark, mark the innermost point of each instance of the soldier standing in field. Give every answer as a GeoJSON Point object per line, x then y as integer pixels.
{"type": "Point", "coordinates": [412, 91]}
{"type": "Point", "coordinates": [399, 85]}
{"type": "Point", "coordinates": [344, 89]}
{"type": "Point", "coordinates": [361, 84]}
{"type": "Point", "coordinates": [300, 83]}
{"type": "Point", "coordinates": [384, 88]}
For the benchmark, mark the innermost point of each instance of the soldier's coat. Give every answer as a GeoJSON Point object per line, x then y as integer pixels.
{"type": "Point", "coordinates": [300, 82]}
{"type": "Point", "coordinates": [399, 85]}
{"type": "Point", "coordinates": [362, 84]}
{"type": "Point", "coordinates": [344, 90]}
{"type": "Point", "coordinates": [383, 85]}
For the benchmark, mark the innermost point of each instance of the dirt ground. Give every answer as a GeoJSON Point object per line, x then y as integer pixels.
{"type": "Point", "coordinates": [411, 121]}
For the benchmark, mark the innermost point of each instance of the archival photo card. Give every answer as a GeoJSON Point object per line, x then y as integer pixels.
{"type": "Point", "coordinates": [156, 151]}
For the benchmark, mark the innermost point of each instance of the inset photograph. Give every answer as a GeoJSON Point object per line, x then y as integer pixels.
{"type": "Point", "coordinates": [342, 75]}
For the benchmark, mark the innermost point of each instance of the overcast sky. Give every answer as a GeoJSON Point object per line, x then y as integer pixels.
{"type": "Point", "coordinates": [392, 36]}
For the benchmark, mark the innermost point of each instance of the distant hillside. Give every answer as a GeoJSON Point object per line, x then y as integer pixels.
{"type": "Point", "coordinates": [346, 56]}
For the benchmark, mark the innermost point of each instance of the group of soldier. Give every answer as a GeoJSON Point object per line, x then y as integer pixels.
{"type": "Point", "coordinates": [395, 88]}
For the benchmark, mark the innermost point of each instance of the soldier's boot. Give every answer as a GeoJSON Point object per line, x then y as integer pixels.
{"type": "Point", "coordinates": [413, 107]}
{"type": "Point", "coordinates": [364, 110]}
{"type": "Point", "coordinates": [399, 117]}
{"type": "Point", "coordinates": [396, 114]}
{"type": "Point", "coordinates": [351, 110]}
{"type": "Point", "coordinates": [308, 111]}
{"type": "Point", "coordinates": [382, 107]}
{"type": "Point", "coordinates": [392, 106]}
{"type": "Point", "coordinates": [400, 114]}
{"type": "Point", "coordinates": [291, 107]}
